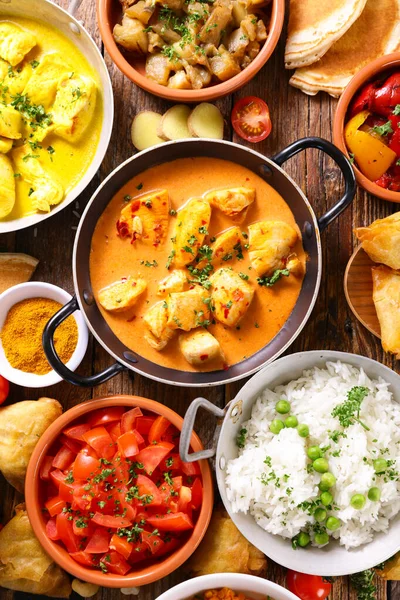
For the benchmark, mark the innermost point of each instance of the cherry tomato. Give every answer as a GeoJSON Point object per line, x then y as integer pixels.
{"type": "Point", "coordinates": [4, 389]}
{"type": "Point", "coordinates": [251, 120]}
{"type": "Point", "coordinates": [308, 587]}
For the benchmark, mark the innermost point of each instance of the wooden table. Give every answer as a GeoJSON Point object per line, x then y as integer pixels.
{"type": "Point", "coordinates": [331, 326]}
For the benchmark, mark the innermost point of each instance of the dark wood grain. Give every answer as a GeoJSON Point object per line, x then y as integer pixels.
{"type": "Point", "coordinates": [332, 325]}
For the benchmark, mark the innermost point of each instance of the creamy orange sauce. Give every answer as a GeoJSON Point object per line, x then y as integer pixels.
{"type": "Point", "coordinates": [113, 257]}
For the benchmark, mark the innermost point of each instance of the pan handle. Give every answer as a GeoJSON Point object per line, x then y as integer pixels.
{"type": "Point", "coordinates": [54, 360]}
{"type": "Point", "coordinates": [187, 429]}
{"type": "Point", "coordinates": [342, 162]}
{"type": "Point", "coordinates": [74, 7]}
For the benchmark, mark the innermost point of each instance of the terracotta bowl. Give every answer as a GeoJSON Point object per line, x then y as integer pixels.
{"type": "Point", "coordinates": [369, 72]}
{"type": "Point", "coordinates": [141, 576]}
{"type": "Point", "coordinates": [109, 14]}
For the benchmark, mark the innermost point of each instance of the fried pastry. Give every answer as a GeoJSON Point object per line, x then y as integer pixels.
{"type": "Point", "coordinates": [381, 240]}
{"type": "Point", "coordinates": [386, 296]}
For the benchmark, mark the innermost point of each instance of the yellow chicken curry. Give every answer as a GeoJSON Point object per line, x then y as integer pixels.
{"type": "Point", "coordinates": [192, 274]}
{"type": "Point", "coordinates": [48, 97]}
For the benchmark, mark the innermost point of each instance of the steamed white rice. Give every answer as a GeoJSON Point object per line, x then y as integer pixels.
{"type": "Point", "coordinates": [272, 494]}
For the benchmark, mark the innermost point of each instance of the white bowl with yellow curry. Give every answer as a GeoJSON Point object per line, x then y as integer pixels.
{"type": "Point", "coordinates": [56, 111]}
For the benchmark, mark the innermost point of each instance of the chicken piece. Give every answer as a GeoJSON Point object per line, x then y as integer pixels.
{"type": "Point", "coordinates": [158, 68]}
{"type": "Point", "coordinates": [122, 295]}
{"type": "Point", "coordinates": [7, 186]}
{"type": "Point", "coordinates": [199, 77]}
{"type": "Point", "coordinates": [294, 265]}
{"type": "Point", "coordinates": [219, 18]}
{"type": "Point", "coordinates": [230, 296]}
{"type": "Point", "coordinates": [175, 282]}
{"type": "Point", "coordinates": [191, 227]}
{"type": "Point", "coordinates": [200, 347]}
{"type": "Point", "coordinates": [188, 310]}
{"type": "Point", "coordinates": [131, 35]}
{"type": "Point", "coordinates": [74, 106]}
{"type": "Point", "coordinates": [223, 65]}
{"type": "Point", "coordinates": [47, 191]}
{"type": "Point", "coordinates": [15, 81]}
{"type": "Point", "coordinates": [237, 44]}
{"type": "Point", "coordinates": [270, 243]}
{"type": "Point", "coordinates": [179, 81]}
{"type": "Point", "coordinates": [145, 218]}
{"type": "Point", "coordinates": [231, 201]}
{"type": "Point", "coordinates": [5, 145]}
{"type": "Point", "coordinates": [227, 246]}
{"type": "Point", "coordinates": [249, 27]}
{"type": "Point", "coordinates": [141, 10]}
{"type": "Point", "coordinates": [15, 42]}
{"type": "Point", "coordinates": [42, 86]}
{"type": "Point", "coordinates": [4, 66]}
{"type": "Point", "coordinates": [261, 33]}
{"type": "Point", "coordinates": [155, 319]}
{"type": "Point", "coordinates": [10, 123]}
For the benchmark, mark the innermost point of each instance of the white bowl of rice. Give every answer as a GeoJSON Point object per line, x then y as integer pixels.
{"type": "Point", "coordinates": [347, 410]}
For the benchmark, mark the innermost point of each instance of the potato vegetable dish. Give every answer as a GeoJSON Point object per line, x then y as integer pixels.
{"type": "Point", "coordinates": [191, 44]}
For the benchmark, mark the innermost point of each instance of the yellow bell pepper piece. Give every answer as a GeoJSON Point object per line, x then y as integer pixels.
{"type": "Point", "coordinates": [372, 156]}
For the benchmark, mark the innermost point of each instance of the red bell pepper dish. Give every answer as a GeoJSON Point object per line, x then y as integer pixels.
{"type": "Point", "coordinates": [115, 492]}
{"type": "Point", "coordinates": [372, 132]}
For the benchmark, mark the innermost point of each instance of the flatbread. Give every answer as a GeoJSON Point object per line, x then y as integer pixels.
{"type": "Point", "coordinates": [15, 268]}
{"type": "Point", "coordinates": [314, 25]}
{"type": "Point", "coordinates": [374, 34]}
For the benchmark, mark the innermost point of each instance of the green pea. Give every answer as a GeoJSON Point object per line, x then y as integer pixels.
{"type": "Point", "coordinates": [314, 452]}
{"type": "Point", "coordinates": [321, 538]}
{"type": "Point", "coordinates": [358, 501]}
{"type": "Point", "coordinates": [380, 465]}
{"type": "Point", "coordinates": [320, 515]}
{"type": "Point", "coordinates": [291, 421]}
{"type": "Point", "coordinates": [282, 407]}
{"type": "Point", "coordinates": [303, 539]}
{"type": "Point", "coordinates": [328, 480]}
{"type": "Point", "coordinates": [333, 523]}
{"type": "Point", "coordinates": [326, 498]}
{"type": "Point", "coordinates": [374, 494]}
{"type": "Point", "coordinates": [321, 465]}
{"type": "Point", "coordinates": [303, 430]}
{"type": "Point", "coordinates": [276, 426]}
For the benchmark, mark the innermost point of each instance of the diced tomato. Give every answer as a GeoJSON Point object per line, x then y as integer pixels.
{"type": "Point", "coordinates": [105, 415]}
{"type": "Point", "coordinates": [55, 506]}
{"type": "Point", "coordinates": [128, 419]}
{"type": "Point", "coordinates": [51, 530]}
{"type": "Point", "coordinates": [76, 431]}
{"type": "Point", "coordinates": [46, 468]}
{"type": "Point", "coordinates": [99, 541]}
{"type": "Point", "coordinates": [57, 476]}
{"type": "Point", "coordinates": [114, 430]}
{"type": "Point", "coordinates": [128, 445]}
{"type": "Point", "coordinates": [140, 551]}
{"type": "Point", "coordinates": [139, 438]}
{"type": "Point", "coordinates": [110, 521]}
{"type": "Point", "coordinates": [197, 494]}
{"type": "Point", "coordinates": [65, 533]}
{"type": "Point", "coordinates": [171, 522]}
{"type": "Point", "coordinates": [151, 456]}
{"type": "Point", "coordinates": [115, 563]}
{"type": "Point", "coordinates": [121, 545]}
{"type": "Point", "coordinates": [72, 445]}
{"type": "Point", "coordinates": [153, 540]}
{"type": "Point", "coordinates": [100, 440]}
{"type": "Point", "coordinates": [172, 463]}
{"type": "Point", "coordinates": [122, 473]}
{"type": "Point", "coordinates": [170, 544]}
{"type": "Point", "coordinates": [143, 424]}
{"type": "Point", "coordinates": [83, 558]}
{"type": "Point", "coordinates": [66, 490]}
{"type": "Point", "coordinates": [394, 143]}
{"type": "Point", "coordinates": [63, 458]}
{"type": "Point", "coordinates": [158, 429]}
{"type": "Point", "coordinates": [177, 483]}
{"type": "Point", "coordinates": [80, 526]}
{"type": "Point", "coordinates": [81, 500]}
{"type": "Point", "coordinates": [172, 435]}
{"type": "Point", "coordinates": [190, 469]}
{"type": "Point", "coordinates": [85, 466]}
{"type": "Point", "coordinates": [185, 499]}
{"type": "Point", "coordinates": [148, 489]}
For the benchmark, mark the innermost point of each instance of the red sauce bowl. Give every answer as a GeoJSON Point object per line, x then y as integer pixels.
{"type": "Point", "coordinates": [142, 575]}
{"type": "Point", "coordinates": [370, 72]}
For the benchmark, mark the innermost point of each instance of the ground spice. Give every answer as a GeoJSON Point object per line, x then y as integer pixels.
{"type": "Point", "coordinates": [22, 331]}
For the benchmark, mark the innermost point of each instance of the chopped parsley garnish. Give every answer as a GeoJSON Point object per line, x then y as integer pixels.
{"type": "Point", "coordinates": [81, 523]}
{"type": "Point", "coordinates": [348, 413]}
{"type": "Point", "coordinates": [34, 64]}
{"type": "Point", "coordinates": [151, 264]}
{"type": "Point", "coordinates": [243, 276]}
{"type": "Point", "coordinates": [139, 187]}
{"type": "Point", "coordinates": [396, 110]}
{"type": "Point", "coordinates": [383, 129]}
{"type": "Point", "coordinates": [270, 281]}
{"type": "Point", "coordinates": [77, 93]}
{"type": "Point", "coordinates": [241, 438]}
{"type": "Point", "coordinates": [31, 190]}
{"type": "Point", "coordinates": [69, 478]}
{"type": "Point", "coordinates": [172, 212]}
{"type": "Point", "coordinates": [238, 249]}
{"type": "Point", "coordinates": [227, 256]}
{"type": "Point", "coordinates": [170, 259]}
{"type": "Point", "coordinates": [127, 197]}
{"type": "Point", "coordinates": [28, 156]}
{"type": "Point", "coordinates": [148, 203]}
{"type": "Point", "coordinates": [105, 473]}
{"type": "Point", "coordinates": [203, 229]}
{"type": "Point", "coordinates": [192, 240]}
{"type": "Point", "coordinates": [51, 151]}
{"type": "Point", "coordinates": [34, 113]}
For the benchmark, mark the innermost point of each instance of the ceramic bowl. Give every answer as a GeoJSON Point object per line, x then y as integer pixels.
{"type": "Point", "coordinates": [369, 73]}
{"type": "Point", "coordinates": [254, 587]}
{"type": "Point", "coordinates": [39, 289]}
{"type": "Point", "coordinates": [109, 14]}
{"type": "Point", "coordinates": [142, 575]}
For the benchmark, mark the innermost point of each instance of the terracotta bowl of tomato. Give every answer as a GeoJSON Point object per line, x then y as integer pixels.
{"type": "Point", "coordinates": [366, 126]}
{"type": "Point", "coordinates": [108, 496]}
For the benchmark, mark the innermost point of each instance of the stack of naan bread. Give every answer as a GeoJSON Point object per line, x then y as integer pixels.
{"type": "Point", "coordinates": [329, 41]}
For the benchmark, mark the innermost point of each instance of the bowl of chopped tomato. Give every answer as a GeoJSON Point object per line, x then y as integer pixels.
{"type": "Point", "coordinates": [366, 126]}
{"type": "Point", "coordinates": [110, 499]}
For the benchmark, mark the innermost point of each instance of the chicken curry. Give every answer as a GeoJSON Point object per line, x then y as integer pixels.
{"type": "Point", "coordinates": [192, 274]}
{"type": "Point", "coordinates": [48, 98]}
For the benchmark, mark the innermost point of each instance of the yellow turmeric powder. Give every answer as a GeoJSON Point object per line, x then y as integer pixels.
{"type": "Point", "coordinates": [22, 331]}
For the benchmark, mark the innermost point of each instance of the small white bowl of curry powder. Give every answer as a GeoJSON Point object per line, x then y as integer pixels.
{"type": "Point", "coordinates": [25, 309]}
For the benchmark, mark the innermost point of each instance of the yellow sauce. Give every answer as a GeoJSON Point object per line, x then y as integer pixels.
{"type": "Point", "coordinates": [113, 258]}
{"type": "Point", "coordinates": [70, 161]}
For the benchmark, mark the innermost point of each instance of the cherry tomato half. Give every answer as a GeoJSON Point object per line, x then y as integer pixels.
{"type": "Point", "coordinates": [250, 119]}
{"type": "Point", "coordinates": [308, 587]}
{"type": "Point", "coordinates": [4, 389]}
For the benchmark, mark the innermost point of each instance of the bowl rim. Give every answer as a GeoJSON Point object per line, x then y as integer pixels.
{"type": "Point", "coordinates": [371, 70]}
{"type": "Point", "coordinates": [39, 289]}
{"type": "Point", "coordinates": [59, 554]}
{"type": "Point", "coordinates": [209, 93]}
